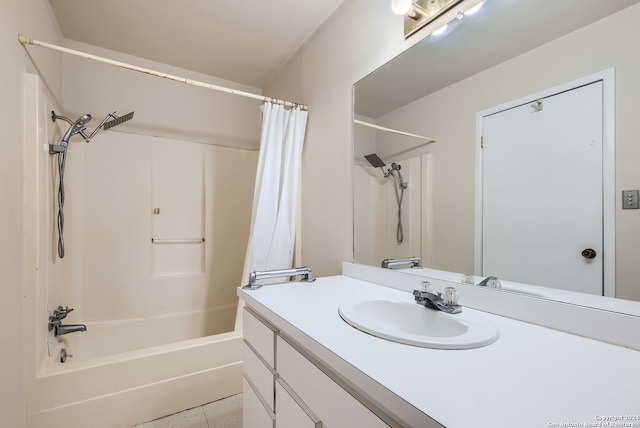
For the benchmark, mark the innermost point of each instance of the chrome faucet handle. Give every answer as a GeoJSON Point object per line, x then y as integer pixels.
{"type": "Point", "coordinates": [54, 322]}
{"type": "Point", "coordinates": [61, 312]}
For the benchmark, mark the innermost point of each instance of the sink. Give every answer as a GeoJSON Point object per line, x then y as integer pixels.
{"type": "Point", "coordinates": [412, 324]}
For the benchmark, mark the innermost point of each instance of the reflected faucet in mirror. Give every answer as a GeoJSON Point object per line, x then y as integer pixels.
{"type": "Point", "coordinates": [413, 262]}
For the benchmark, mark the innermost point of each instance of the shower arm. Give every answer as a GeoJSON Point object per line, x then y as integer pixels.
{"type": "Point", "coordinates": [88, 138]}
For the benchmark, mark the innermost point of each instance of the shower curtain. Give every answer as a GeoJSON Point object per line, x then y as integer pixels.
{"type": "Point", "coordinates": [275, 197]}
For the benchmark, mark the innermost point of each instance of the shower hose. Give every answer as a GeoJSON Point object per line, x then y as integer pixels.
{"type": "Point", "coordinates": [399, 197]}
{"type": "Point", "coordinates": [62, 158]}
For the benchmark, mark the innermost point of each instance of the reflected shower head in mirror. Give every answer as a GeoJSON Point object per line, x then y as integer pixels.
{"type": "Point", "coordinates": [375, 160]}
{"type": "Point", "coordinates": [399, 186]}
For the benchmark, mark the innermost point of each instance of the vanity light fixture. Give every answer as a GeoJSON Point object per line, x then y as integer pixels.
{"type": "Point", "coordinates": [419, 14]}
{"type": "Point", "coordinates": [402, 7]}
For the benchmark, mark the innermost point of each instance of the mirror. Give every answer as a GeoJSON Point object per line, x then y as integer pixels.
{"type": "Point", "coordinates": [505, 52]}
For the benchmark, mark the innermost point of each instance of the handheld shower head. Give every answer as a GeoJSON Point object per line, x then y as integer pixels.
{"type": "Point", "coordinates": [83, 120]}
{"type": "Point", "coordinates": [76, 127]}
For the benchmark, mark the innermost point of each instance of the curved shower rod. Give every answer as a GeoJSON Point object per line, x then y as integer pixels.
{"type": "Point", "coordinates": [24, 40]}
{"type": "Point", "coordinates": [394, 131]}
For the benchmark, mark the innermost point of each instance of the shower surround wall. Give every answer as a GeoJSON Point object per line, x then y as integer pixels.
{"type": "Point", "coordinates": [189, 152]}
{"type": "Point", "coordinates": [165, 309]}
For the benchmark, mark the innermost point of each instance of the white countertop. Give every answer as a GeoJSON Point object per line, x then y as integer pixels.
{"type": "Point", "coordinates": [530, 377]}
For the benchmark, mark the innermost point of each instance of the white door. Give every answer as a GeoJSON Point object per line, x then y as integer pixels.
{"type": "Point", "coordinates": [542, 184]}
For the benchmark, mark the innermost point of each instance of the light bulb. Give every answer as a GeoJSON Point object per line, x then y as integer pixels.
{"type": "Point", "coordinates": [474, 9]}
{"type": "Point", "coordinates": [401, 7]}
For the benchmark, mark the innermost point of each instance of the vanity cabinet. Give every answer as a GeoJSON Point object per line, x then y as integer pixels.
{"type": "Point", "coordinates": [284, 389]}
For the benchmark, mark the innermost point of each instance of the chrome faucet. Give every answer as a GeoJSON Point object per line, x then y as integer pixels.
{"type": "Point", "coordinates": [55, 322]}
{"type": "Point", "coordinates": [69, 328]}
{"type": "Point", "coordinates": [390, 263]}
{"type": "Point", "coordinates": [490, 282]}
{"type": "Point", "coordinates": [255, 276]}
{"type": "Point", "coordinates": [430, 299]}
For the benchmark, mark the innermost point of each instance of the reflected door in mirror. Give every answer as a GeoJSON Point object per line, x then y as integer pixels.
{"type": "Point", "coordinates": [542, 191]}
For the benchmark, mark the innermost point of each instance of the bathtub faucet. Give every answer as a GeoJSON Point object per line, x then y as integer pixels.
{"type": "Point", "coordinates": [255, 276]}
{"type": "Point", "coordinates": [69, 328]}
{"type": "Point", "coordinates": [55, 322]}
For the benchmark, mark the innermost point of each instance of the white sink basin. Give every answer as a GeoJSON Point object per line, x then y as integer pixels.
{"type": "Point", "coordinates": [413, 324]}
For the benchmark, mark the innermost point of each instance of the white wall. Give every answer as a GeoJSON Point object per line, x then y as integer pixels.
{"type": "Point", "coordinates": [163, 107]}
{"type": "Point", "coordinates": [33, 18]}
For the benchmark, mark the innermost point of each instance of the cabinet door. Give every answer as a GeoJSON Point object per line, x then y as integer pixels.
{"type": "Point", "coordinates": [292, 412]}
{"type": "Point", "coordinates": [254, 414]}
{"type": "Point", "coordinates": [260, 375]}
{"type": "Point", "coordinates": [328, 400]}
{"type": "Point", "coordinates": [260, 336]}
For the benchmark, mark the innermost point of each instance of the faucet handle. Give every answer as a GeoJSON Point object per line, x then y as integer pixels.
{"type": "Point", "coordinates": [451, 296]}
{"type": "Point", "coordinates": [61, 313]}
{"type": "Point", "coordinates": [426, 287]}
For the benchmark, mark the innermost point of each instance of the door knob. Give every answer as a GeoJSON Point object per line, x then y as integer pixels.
{"type": "Point", "coordinates": [589, 253]}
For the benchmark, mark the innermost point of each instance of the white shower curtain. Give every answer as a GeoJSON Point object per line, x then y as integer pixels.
{"type": "Point", "coordinates": [275, 197]}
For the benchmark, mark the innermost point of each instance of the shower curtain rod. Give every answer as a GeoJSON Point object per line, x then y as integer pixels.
{"type": "Point", "coordinates": [24, 40]}
{"type": "Point", "coordinates": [394, 131]}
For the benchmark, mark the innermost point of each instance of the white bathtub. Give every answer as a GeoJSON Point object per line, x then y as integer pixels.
{"type": "Point", "coordinates": [104, 385]}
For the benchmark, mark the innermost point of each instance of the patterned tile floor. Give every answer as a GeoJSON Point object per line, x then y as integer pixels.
{"type": "Point", "coordinates": [226, 413]}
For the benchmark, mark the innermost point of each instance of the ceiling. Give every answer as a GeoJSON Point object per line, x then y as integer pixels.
{"type": "Point", "coordinates": [245, 41]}
{"type": "Point", "coordinates": [501, 30]}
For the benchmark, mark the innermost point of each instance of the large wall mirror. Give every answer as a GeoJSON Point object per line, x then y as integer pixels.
{"type": "Point", "coordinates": [423, 201]}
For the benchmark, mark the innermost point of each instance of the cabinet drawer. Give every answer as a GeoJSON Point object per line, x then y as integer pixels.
{"type": "Point", "coordinates": [261, 337]}
{"type": "Point", "coordinates": [260, 375]}
{"type": "Point", "coordinates": [254, 414]}
{"type": "Point", "coordinates": [292, 413]}
{"type": "Point", "coordinates": [328, 400]}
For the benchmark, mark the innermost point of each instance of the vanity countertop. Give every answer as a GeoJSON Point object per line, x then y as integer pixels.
{"type": "Point", "coordinates": [530, 377]}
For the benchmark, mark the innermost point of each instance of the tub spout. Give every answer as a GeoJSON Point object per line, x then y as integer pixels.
{"type": "Point", "coordinates": [69, 328]}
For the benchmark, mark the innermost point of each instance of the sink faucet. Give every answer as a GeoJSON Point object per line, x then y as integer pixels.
{"type": "Point", "coordinates": [491, 282]}
{"type": "Point", "coordinates": [430, 299]}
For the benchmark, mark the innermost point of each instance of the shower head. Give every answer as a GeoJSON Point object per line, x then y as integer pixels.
{"type": "Point", "coordinates": [396, 167]}
{"type": "Point", "coordinates": [375, 160]}
{"type": "Point", "coordinates": [83, 120]}
{"type": "Point", "coordinates": [76, 127]}
{"type": "Point", "coordinates": [117, 120]}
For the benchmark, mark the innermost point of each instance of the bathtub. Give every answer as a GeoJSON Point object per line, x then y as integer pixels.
{"type": "Point", "coordinates": [116, 380]}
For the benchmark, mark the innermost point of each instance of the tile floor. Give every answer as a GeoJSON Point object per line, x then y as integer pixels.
{"type": "Point", "coordinates": [225, 413]}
